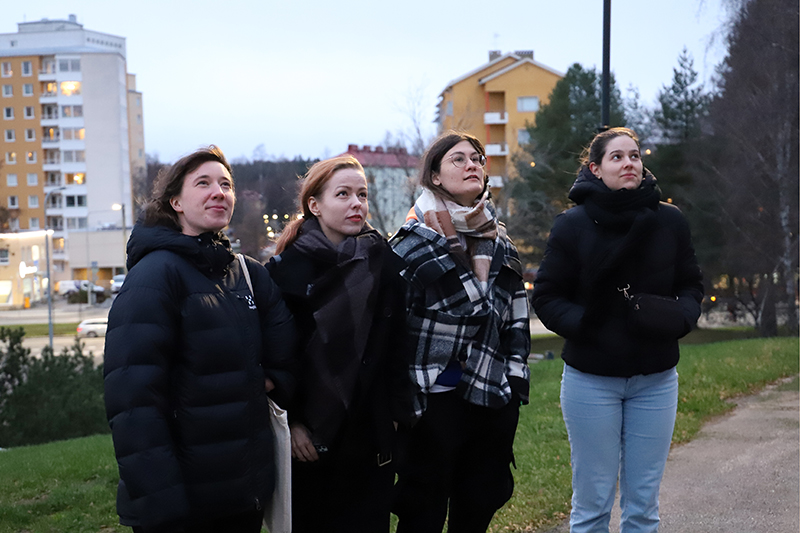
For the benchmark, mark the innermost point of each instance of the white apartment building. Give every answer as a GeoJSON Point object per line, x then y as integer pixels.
{"type": "Point", "coordinates": [72, 138]}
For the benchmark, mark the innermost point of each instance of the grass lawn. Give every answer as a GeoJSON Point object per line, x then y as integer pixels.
{"type": "Point", "coordinates": [70, 486]}
{"type": "Point", "coordinates": [42, 330]}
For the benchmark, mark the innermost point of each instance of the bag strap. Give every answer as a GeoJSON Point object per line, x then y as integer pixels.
{"type": "Point", "coordinates": [246, 273]}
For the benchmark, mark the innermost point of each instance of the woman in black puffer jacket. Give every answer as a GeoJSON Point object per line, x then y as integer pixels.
{"type": "Point", "coordinates": [620, 282]}
{"type": "Point", "coordinates": [188, 353]}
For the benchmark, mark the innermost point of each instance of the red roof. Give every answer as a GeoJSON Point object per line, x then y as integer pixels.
{"type": "Point", "coordinates": [380, 157]}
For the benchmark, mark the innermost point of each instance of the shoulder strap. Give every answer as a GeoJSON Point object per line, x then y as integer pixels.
{"type": "Point", "coordinates": [246, 272]}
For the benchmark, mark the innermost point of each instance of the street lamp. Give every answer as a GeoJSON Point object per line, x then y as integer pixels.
{"type": "Point", "coordinates": [121, 207]}
{"type": "Point", "coordinates": [47, 234]}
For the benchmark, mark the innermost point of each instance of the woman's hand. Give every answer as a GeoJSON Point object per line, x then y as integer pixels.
{"type": "Point", "coordinates": [302, 447]}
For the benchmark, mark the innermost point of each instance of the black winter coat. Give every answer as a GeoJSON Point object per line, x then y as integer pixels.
{"type": "Point", "coordinates": [588, 261]}
{"type": "Point", "coordinates": [185, 361]}
{"type": "Point", "coordinates": [383, 392]}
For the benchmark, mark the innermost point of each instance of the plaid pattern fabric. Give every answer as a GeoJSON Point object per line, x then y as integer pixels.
{"type": "Point", "coordinates": [453, 317]}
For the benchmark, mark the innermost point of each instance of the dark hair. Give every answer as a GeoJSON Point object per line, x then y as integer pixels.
{"type": "Point", "coordinates": [432, 160]}
{"type": "Point", "coordinates": [314, 183]}
{"type": "Point", "coordinates": [597, 148]}
{"type": "Point", "coordinates": [169, 182]}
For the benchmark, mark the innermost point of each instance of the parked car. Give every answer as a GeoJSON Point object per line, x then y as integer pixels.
{"type": "Point", "coordinates": [70, 286]}
{"type": "Point", "coordinates": [92, 327]}
{"type": "Point", "coordinates": [116, 283]}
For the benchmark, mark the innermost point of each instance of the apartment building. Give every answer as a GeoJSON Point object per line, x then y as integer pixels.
{"type": "Point", "coordinates": [73, 138]}
{"type": "Point", "coordinates": [495, 102]}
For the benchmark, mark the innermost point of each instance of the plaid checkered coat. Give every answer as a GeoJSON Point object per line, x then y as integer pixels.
{"type": "Point", "coordinates": [452, 317]}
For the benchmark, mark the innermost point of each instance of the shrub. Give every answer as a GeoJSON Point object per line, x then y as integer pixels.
{"type": "Point", "coordinates": [48, 398]}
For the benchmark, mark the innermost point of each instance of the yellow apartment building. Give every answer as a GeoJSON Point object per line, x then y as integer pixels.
{"type": "Point", "coordinates": [495, 102]}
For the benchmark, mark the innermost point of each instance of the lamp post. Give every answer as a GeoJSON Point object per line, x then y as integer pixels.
{"type": "Point", "coordinates": [47, 233]}
{"type": "Point", "coordinates": [121, 207]}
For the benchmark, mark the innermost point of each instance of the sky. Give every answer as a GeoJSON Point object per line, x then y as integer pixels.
{"type": "Point", "coordinates": [307, 78]}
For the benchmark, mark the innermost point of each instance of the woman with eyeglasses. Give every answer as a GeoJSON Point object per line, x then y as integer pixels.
{"type": "Point", "coordinates": [468, 315]}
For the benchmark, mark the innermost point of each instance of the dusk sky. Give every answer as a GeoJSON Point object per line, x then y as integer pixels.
{"type": "Point", "coordinates": [310, 77]}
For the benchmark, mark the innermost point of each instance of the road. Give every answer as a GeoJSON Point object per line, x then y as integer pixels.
{"type": "Point", "coordinates": [91, 346]}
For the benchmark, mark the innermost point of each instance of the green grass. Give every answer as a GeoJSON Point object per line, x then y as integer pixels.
{"type": "Point", "coordinates": [70, 486]}
{"type": "Point", "coordinates": [42, 330]}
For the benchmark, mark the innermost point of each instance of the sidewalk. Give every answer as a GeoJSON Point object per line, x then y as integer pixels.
{"type": "Point", "coordinates": [741, 473]}
{"type": "Point", "coordinates": [63, 312]}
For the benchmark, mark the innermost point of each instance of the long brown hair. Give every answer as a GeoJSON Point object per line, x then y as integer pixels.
{"type": "Point", "coordinates": [314, 183]}
{"type": "Point", "coordinates": [169, 182]}
{"type": "Point", "coordinates": [596, 150]}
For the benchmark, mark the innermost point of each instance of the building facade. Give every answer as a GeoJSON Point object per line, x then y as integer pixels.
{"type": "Point", "coordinates": [392, 181]}
{"type": "Point", "coordinates": [72, 139]}
{"type": "Point", "coordinates": [495, 103]}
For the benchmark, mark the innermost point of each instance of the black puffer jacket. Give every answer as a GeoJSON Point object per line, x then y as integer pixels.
{"type": "Point", "coordinates": [592, 254]}
{"type": "Point", "coordinates": [185, 360]}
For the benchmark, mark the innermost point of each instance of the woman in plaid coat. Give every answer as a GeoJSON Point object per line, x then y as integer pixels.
{"type": "Point", "coordinates": [468, 315]}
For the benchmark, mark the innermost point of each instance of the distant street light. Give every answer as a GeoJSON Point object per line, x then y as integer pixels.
{"type": "Point", "coordinates": [47, 233]}
{"type": "Point", "coordinates": [121, 207]}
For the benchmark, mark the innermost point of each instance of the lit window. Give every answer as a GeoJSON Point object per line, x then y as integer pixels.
{"type": "Point", "coordinates": [27, 68]}
{"type": "Point", "coordinates": [30, 157]}
{"type": "Point", "coordinates": [11, 158]}
{"type": "Point", "coordinates": [11, 180]}
{"type": "Point", "coordinates": [527, 104]}
{"type": "Point", "coordinates": [75, 179]}
{"type": "Point", "coordinates": [6, 70]}
{"type": "Point", "coordinates": [34, 224]}
{"type": "Point", "coordinates": [27, 89]}
{"type": "Point", "coordinates": [29, 113]}
{"type": "Point", "coordinates": [70, 88]}
{"type": "Point", "coordinates": [8, 91]}
{"type": "Point", "coordinates": [79, 134]}
{"type": "Point", "coordinates": [33, 179]}
{"type": "Point", "coordinates": [30, 134]}
{"type": "Point", "coordinates": [13, 202]}
{"type": "Point", "coordinates": [10, 136]}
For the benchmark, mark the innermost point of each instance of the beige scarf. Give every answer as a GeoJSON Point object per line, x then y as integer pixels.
{"type": "Point", "coordinates": [478, 224]}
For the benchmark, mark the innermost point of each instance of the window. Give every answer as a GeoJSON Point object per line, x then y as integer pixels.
{"type": "Point", "coordinates": [8, 113]}
{"type": "Point", "coordinates": [69, 201]}
{"type": "Point", "coordinates": [30, 157]}
{"type": "Point", "coordinates": [49, 88]}
{"type": "Point", "coordinates": [30, 134]}
{"type": "Point", "coordinates": [13, 202]}
{"type": "Point", "coordinates": [13, 224]}
{"type": "Point", "coordinates": [33, 201]}
{"type": "Point", "coordinates": [68, 156]}
{"type": "Point", "coordinates": [8, 91]}
{"type": "Point", "coordinates": [70, 88]}
{"type": "Point", "coordinates": [27, 89]}
{"type": "Point", "coordinates": [29, 113]}
{"type": "Point", "coordinates": [138, 119]}
{"type": "Point", "coordinates": [80, 156]}
{"type": "Point", "coordinates": [527, 104]}
{"type": "Point", "coordinates": [4, 258]}
{"type": "Point", "coordinates": [78, 178]}
{"type": "Point", "coordinates": [81, 200]}
{"type": "Point", "coordinates": [449, 110]}
{"type": "Point", "coordinates": [34, 223]}
{"type": "Point", "coordinates": [523, 136]}
{"type": "Point", "coordinates": [72, 110]}
{"type": "Point", "coordinates": [69, 65]}
{"type": "Point", "coordinates": [77, 134]}
{"type": "Point", "coordinates": [11, 180]}
{"type": "Point", "coordinates": [10, 136]}
{"type": "Point", "coordinates": [33, 179]}
{"type": "Point", "coordinates": [76, 223]}
{"type": "Point", "coordinates": [6, 70]}
{"type": "Point", "coordinates": [11, 158]}
{"type": "Point", "coordinates": [27, 68]}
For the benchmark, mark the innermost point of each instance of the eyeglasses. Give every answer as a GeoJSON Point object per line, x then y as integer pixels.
{"type": "Point", "coordinates": [459, 160]}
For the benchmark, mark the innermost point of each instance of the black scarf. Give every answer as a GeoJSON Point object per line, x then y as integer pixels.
{"type": "Point", "coordinates": [343, 302]}
{"type": "Point", "coordinates": [214, 253]}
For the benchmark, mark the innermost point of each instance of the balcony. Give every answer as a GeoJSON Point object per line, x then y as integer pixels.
{"type": "Point", "coordinates": [497, 149]}
{"type": "Point", "coordinates": [495, 118]}
{"type": "Point", "coordinates": [50, 140]}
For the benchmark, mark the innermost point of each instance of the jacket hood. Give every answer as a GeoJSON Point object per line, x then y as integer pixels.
{"type": "Point", "coordinates": [587, 184]}
{"type": "Point", "coordinates": [212, 250]}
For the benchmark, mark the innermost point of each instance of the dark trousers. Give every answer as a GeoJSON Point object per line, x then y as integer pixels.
{"type": "Point", "coordinates": [341, 494]}
{"type": "Point", "coordinates": [247, 522]}
{"type": "Point", "coordinates": [456, 458]}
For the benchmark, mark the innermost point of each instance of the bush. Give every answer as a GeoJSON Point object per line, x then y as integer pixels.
{"type": "Point", "coordinates": [82, 297]}
{"type": "Point", "coordinates": [48, 398]}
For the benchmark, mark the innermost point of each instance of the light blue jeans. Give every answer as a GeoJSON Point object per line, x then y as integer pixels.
{"type": "Point", "coordinates": [619, 428]}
